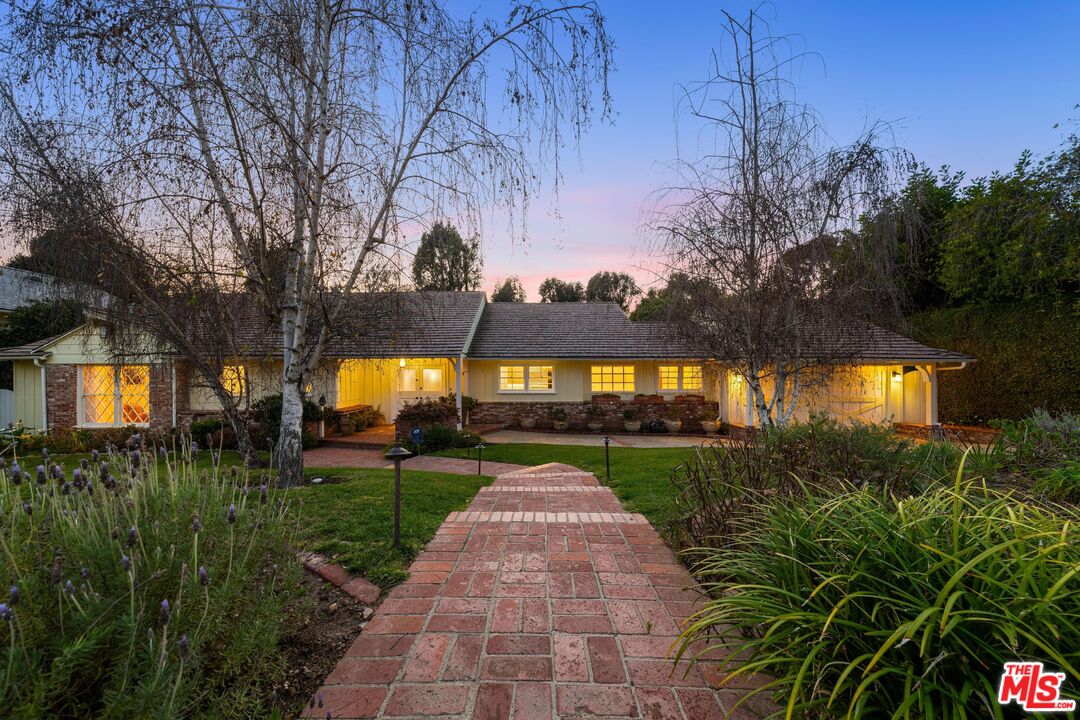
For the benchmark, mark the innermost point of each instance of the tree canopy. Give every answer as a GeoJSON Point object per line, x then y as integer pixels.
{"type": "Point", "coordinates": [616, 287]}
{"type": "Point", "coordinates": [446, 261]}
{"type": "Point", "coordinates": [554, 290]}
{"type": "Point", "coordinates": [509, 290]}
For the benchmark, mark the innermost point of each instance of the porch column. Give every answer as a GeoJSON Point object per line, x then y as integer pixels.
{"type": "Point", "coordinates": [722, 395]}
{"type": "Point", "coordinates": [459, 371]}
{"type": "Point", "coordinates": [931, 395]}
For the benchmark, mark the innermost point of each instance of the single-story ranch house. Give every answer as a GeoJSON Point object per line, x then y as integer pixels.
{"type": "Point", "coordinates": [515, 359]}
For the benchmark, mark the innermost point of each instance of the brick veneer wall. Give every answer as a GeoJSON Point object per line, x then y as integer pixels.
{"type": "Point", "coordinates": [691, 409]}
{"type": "Point", "coordinates": [61, 396]}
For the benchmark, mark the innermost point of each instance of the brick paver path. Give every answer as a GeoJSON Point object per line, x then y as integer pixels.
{"type": "Point", "coordinates": [543, 600]}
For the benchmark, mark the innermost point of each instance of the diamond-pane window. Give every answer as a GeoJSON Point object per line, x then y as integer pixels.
{"type": "Point", "coordinates": [114, 395]}
{"type": "Point", "coordinates": [99, 394]}
{"type": "Point", "coordinates": [135, 394]}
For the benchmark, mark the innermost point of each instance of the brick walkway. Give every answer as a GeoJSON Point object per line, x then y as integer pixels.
{"type": "Point", "coordinates": [543, 600]}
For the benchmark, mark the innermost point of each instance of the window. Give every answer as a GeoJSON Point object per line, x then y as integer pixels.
{"type": "Point", "coordinates": [407, 379]}
{"type": "Point", "coordinates": [669, 377]}
{"type": "Point", "coordinates": [541, 378]}
{"type": "Point", "coordinates": [234, 379]}
{"type": "Point", "coordinates": [613, 378]}
{"type": "Point", "coordinates": [511, 378]}
{"type": "Point", "coordinates": [432, 379]}
{"type": "Point", "coordinates": [530, 379]}
{"type": "Point", "coordinates": [673, 377]}
{"type": "Point", "coordinates": [115, 395]}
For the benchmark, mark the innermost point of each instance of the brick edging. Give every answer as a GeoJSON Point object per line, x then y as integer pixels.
{"type": "Point", "coordinates": [354, 585]}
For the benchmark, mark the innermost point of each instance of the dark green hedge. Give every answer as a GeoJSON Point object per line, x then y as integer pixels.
{"type": "Point", "coordinates": [1028, 357]}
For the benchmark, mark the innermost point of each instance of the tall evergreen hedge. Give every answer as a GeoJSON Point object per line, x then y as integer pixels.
{"type": "Point", "coordinates": [1028, 357]}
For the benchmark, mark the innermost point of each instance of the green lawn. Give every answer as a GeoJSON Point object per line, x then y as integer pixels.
{"type": "Point", "coordinates": [351, 519]}
{"type": "Point", "coordinates": [640, 477]}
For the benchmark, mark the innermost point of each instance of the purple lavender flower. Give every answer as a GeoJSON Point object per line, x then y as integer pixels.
{"type": "Point", "coordinates": [196, 523]}
{"type": "Point", "coordinates": [76, 476]}
{"type": "Point", "coordinates": [65, 489]}
{"type": "Point", "coordinates": [84, 464]}
{"type": "Point", "coordinates": [136, 439]}
{"type": "Point", "coordinates": [45, 452]}
{"type": "Point", "coordinates": [163, 452]}
{"type": "Point", "coordinates": [133, 536]}
{"type": "Point", "coordinates": [28, 508]}
{"type": "Point", "coordinates": [125, 562]}
{"type": "Point", "coordinates": [320, 698]}
{"type": "Point", "coordinates": [217, 457]}
{"type": "Point", "coordinates": [204, 577]}
{"type": "Point", "coordinates": [194, 448]}
{"type": "Point", "coordinates": [16, 476]}
{"type": "Point", "coordinates": [329, 715]}
{"type": "Point", "coordinates": [57, 472]}
{"type": "Point", "coordinates": [231, 515]}
{"type": "Point", "coordinates": [184, 646]}
{"type": "Point", "coordinates": [41, 478]}
{"type": "Point", "coordinates": [85, 572]}
{"type": "Point", "coordinates": [15, 469]}
{"type": "Point", "coordinates": [69, 587]}
{"type": "Point", "coordinates": [163, 616]}
{"type": "Point", "coordinates": [136, 457]}
{"type": "Point", "coordinates": [6, 613]}
{"type": "Point", "coordinates": [262, 495]}
{"type": "Point", "coordinates": [94, 456]}
{"type": "Point", "coordinates": [13, 596]}
{"type": "Point", "coordinates": [26, 477]}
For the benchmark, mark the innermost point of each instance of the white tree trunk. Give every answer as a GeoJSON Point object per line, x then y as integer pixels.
{"type": "Point", "coordinates": [289, 452]}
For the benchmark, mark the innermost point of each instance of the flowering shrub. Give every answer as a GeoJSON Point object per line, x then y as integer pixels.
{"type": "Point", "coordinates": [139, 588]}
{"type": "Point", "coordinates": [423, 412]}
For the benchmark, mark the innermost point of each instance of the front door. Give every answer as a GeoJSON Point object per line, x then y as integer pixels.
{"type": "Point", "coordinates": [417, 383]}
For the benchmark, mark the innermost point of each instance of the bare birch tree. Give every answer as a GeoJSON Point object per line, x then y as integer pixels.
{"type": "Point", "coordinates": [774, 284]}
{"type": "Point", "coordinates": [306, 133]}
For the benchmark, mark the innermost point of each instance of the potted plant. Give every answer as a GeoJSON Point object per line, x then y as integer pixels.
{"type": "Point", "coordinates": [559, 420]}
{"type": "Point", "coordinates": [630, 420]}
{"type": "Point", "coordinates": [672, 421]}
{"type": "Point", "coordinates": [527, 422]}
{"type": "Point", "coordinates": [710, 426]}
{"type": "Point", "coordinates": [347, 424]}
{"type": "Point", "coordinates": [594, 418]}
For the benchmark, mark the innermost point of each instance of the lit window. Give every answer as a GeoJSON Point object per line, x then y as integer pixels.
{"type": "Point", "coordinates": [613, 378]}
{"type": "Point", "coordinates": [669, 377]}
{"type": "Point", "coordinates": [541, 378]}
{"type": "Point", "coordinates": [691, 377]}
{"type": "Point", "coordinates": [432, 379]}
{"type": "Point", "coordinates": [114, 395]}
{"type": "Point", "coordinates": [512, 377]}
{"type": "Point", "coordinates": [234, 379]}
{"type": "Point", "coordinates": [407, 379]}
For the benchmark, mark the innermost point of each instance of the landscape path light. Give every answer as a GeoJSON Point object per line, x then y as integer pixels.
{"type": "Point", "coordinates": [397, 454]}
{"type": "Point", "coordinates": [479, 457]}
{"type": "Point", "coordinates": [607, 458]}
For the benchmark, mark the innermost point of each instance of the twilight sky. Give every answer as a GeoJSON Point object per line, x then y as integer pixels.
{"type": "Point", "coordinates": [967, 84]}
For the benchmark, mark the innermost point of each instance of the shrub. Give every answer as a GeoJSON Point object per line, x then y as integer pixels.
{"type": "Point", "coordinates": [1041, 441]}
{"type": "Point", "coordinates": [721, 483]}
{"type": "Point", "coordinates": [96, 551]}
{"type": "Point", "coordinates": [860, 605]}
{"type": "Point", "coordinates": [445, 437]}
{"type": "Point", "coordinates": [267, 412]}
{"type": "Point", "coordinates": [595, 412]}
{"type": "Point", "coordinates": [428, 411]}
{"type": "Point", "coordinates": [1028, 356]}
{"type": "Point", "coordinates": [80, 440]}
{"type": "Point", "coordinates": [630, 414]}
{"type": "Point", "coordinates": [559, 415]}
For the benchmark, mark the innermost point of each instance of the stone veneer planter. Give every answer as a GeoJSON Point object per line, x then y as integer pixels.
{"type": "Point", "coordinates": [690, 410]}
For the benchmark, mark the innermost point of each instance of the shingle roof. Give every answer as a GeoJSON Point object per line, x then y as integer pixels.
{"type": "Point", "coordinates": [21, 287]}
{"type": "Point", "coordinates": [569, 330]}
{"type": "Point", "coordinates": [38, 348]}
{"type": "Point", "coordinates": [602, 330]}
{"type": "Point", "coordinates": [381, 325]}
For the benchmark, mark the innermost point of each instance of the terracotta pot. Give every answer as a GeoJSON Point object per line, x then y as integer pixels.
{"type": "Point", "coordinates": [673, 426]}
{"type": "Point", "coordinates": [632, 425]}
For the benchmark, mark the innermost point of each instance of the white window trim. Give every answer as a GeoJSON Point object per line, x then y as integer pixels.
{"type": "Point", "coordinates": [681, 388]}
{"type": "Point", "coordinates": [526, 391]}
{"type": "Point", "coordinates": [80, 408]}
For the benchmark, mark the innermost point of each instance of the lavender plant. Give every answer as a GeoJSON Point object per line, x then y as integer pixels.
{"type": "Point", "coordinates": [140, 588]}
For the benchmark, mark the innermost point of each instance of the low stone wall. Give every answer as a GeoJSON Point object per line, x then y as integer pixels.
{"type": "Point", "coordinates": [964, 434]}
{"type": "Point", "coordinates": [691, 409]}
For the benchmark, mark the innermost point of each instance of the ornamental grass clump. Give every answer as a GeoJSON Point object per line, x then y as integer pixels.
{"type": "Point", "coordinates": [861, 605]}
{"type": "Point", "coordinates": [146, 589]}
